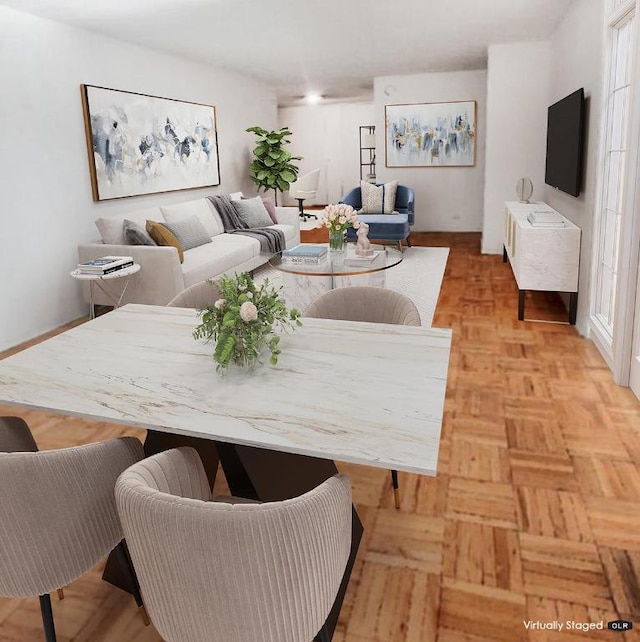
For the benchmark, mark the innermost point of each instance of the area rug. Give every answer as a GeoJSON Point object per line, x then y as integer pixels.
{"type": "Point", "coordinates": [419, 277]}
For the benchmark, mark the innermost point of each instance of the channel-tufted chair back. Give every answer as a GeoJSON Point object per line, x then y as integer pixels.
{"type": "Point", "coordinates": [234, 572]}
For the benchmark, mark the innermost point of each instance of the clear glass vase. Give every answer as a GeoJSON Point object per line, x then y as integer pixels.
{"type": "Point", "coordinates": [244, 357]}
{"type": "Point", "coordinates": [337, 240]}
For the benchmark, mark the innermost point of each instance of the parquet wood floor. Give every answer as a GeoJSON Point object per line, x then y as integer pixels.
{"type": "Point", "coordinates": [534, 514]}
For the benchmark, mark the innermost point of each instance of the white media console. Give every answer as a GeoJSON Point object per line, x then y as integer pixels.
{"type": "Point", "coordinates": [542, 258]}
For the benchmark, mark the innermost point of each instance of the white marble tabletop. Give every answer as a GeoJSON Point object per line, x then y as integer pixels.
{"type": "Point", "coordinates": [366, 393]}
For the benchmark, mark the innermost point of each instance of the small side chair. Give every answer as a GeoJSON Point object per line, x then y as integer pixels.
{"type": "Point", "coordinates": [376, 305]}
{"type": "Point", "coordinates": [228, 570]}
{"type": "Point", "coordinates": [58, 515]}
{"type": "Point", "coordinates": [306, 187]}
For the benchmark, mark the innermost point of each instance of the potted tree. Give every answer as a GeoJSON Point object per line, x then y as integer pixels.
{"type": "Point", "coordinates": [272, 167]}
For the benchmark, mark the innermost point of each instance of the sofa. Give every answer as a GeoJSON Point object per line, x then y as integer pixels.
{"type": "Point", "coordinates": [385, 227]}
{"type": "Point", "coordinates": [162, 275]}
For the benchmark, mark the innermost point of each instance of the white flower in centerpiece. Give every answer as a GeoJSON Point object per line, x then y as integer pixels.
{"type": "Point", "coordinates": [219, 304]}
{"type": "Point", "coordinates": [249, 295]}
{"type": "Point", "coordinates": [248, 312]}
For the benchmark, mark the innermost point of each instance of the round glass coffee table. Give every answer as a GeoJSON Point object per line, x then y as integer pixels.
{"type": "Point", "coordinates": [305, 282]}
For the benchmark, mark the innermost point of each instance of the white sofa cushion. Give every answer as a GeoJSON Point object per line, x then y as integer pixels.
{"type": "Point", "coordinates": [111, 228]}
{"type": "Point", "coordinates": [201, 208]}
{"type": "Point", "coordinates": [224, 252]}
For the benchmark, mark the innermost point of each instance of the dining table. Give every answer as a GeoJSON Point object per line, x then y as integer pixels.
{"type": "Point", "coordinates": [366, 393]}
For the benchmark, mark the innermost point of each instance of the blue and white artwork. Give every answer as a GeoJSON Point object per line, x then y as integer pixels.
{"type": "Point", "coordinates": [431, 135]}
{"type": "Point", "coordinates": [142, 144]}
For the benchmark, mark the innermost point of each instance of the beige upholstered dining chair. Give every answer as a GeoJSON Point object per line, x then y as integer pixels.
{"type": "Point", "coordinates": [198, 296]}
{"type": "Point", "coordinates": [376, 305]}
{"type": "Point", "coordinates": [57, 515]}
{"type": "Point", "coordinates": [223, 570]}
{"type": "Point", "coordinates": [15, 436]}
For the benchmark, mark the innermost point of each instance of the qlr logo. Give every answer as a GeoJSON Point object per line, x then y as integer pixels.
{"type": "Point", "coordinates": [620, 625]}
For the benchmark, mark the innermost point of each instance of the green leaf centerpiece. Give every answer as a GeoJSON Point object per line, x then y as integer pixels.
{"type": "Point", "coordinates": [244, 320]}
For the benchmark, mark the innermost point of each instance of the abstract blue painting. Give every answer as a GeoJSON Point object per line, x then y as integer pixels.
{"type": "Point", "coordinates": [431, 135]}
{"type": "Point", "coordinates": [141, 144]}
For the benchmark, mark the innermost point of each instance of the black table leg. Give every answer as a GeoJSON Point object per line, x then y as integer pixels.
{"type": "Point", "coordinates": [157, 442]}
{"type": "Point", "coordinates": [521, 295]}
{"type": "Point", "coordinates": [573, 307]}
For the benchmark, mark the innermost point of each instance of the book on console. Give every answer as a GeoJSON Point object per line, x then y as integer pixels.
{"type": "Point", "coordinates": [306, 250]}
{"type": "Point", "coordinates": [546, 218]}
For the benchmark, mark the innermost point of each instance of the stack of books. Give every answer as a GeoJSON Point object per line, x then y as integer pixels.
{"type": "Point", "coordinates": [306, 253]}
{"type": "Point", "coordinates": [355, 259]}
{"type": "Point", "coordinates": [105, 265]}
{"type": "Point", "coordinates": [545, 218]}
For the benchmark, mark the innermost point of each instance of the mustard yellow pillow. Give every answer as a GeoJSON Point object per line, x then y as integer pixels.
{"type": "Point", "coordinates": [162, 236]}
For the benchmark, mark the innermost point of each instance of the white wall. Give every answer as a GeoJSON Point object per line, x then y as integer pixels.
{"type": "Point", "coordinates": [517, 102]}
{"type": "Point", "coordinates": [577, 50]}
{"type": "Point", "coordinates": [46, 207]}
{"type": "Point", "coordinates": [328, 137]}
{"type": "Point", "coordinates": [448, 199]}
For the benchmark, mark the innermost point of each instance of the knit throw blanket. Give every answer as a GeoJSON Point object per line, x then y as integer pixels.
{"type": "Point", "coordinates": [271, 240]}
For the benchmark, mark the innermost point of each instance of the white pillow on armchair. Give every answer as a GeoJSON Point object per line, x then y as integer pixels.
{"type": "Point", "coordinates": [378, 199]}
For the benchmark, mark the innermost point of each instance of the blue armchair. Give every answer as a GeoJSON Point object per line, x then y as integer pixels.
{"type": "Point", "coordinates": [386, 227]}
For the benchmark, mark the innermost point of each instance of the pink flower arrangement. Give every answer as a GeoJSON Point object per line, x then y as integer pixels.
{"type": "Point", "coordinates": [338, 218]}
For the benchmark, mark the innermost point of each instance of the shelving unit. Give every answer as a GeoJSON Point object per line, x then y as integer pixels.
{"type": "Point", "coordinates": [368, 153]}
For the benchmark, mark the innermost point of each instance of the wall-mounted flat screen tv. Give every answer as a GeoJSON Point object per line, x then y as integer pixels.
{"type": "Point", "coordinates": [565, 125]}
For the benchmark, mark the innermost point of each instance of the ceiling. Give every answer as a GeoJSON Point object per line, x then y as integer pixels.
{"type": "Point", "coordinates": [334, 47]}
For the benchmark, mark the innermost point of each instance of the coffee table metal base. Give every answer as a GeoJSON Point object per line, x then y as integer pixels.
{"type": "Point", "coordinates": [301, 290]}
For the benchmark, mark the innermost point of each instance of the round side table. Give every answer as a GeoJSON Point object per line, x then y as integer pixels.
{"type": "Point", "coordinates": [97, 279]}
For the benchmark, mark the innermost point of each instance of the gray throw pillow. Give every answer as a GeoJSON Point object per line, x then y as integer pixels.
{"type": "Point", "coordinates": [189, 231]}
{"type": "Point", "coordinates": [253, 212]}
{"type": "Point", "coordinates": [135, 234]}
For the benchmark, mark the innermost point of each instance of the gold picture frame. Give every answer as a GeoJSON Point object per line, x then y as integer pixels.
{"type": "Point", "coordinates": [431, 134]}
{"type": "Point", "coordinates": [140, 144]}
